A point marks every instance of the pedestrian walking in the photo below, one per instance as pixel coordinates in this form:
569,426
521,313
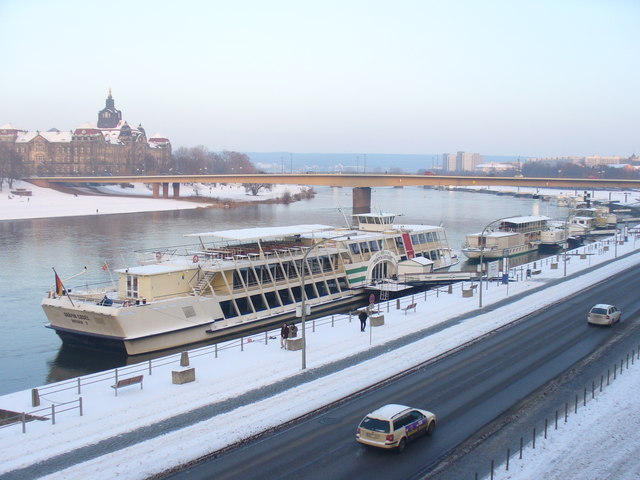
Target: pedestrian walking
284,334
363,320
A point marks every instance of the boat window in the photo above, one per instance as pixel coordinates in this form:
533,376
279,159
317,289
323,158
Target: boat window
333,286
285,296
322,289
315,265
399,243
272,299
342,283
296,294
423,238
310,291
227,309
276,271
258,303
415,239
326,263
364,247
355,248
244,306
251,276
132,286
239,278
374,246
436,236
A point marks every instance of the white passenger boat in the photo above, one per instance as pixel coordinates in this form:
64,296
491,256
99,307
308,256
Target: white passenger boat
237,280
588,220
512,237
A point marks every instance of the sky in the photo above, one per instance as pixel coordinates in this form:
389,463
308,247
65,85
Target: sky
577,450
497,77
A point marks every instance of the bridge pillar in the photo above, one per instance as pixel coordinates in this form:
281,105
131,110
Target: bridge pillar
165,190
361,200
156,190
176,190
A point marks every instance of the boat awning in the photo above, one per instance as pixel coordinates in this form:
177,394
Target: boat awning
527,219
263,233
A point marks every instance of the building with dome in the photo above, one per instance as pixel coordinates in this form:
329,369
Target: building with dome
108,147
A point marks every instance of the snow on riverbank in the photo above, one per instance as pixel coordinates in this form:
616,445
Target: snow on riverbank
106,416
47,203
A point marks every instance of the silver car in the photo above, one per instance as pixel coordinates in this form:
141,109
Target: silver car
603,314
392,426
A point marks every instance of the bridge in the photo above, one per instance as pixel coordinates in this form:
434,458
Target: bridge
360,182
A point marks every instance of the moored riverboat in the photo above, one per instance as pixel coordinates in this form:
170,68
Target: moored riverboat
236,280
512,237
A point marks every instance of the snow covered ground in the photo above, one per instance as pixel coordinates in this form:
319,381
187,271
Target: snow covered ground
46,203
577,450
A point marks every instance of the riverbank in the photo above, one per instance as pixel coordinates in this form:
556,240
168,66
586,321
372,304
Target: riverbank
77,445
107,200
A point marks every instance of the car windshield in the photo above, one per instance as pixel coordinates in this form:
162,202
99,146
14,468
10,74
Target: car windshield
375,425
601,311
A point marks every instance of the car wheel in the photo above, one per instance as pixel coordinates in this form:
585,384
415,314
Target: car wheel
402,445
431,428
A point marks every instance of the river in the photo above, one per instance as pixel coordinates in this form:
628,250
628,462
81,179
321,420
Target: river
33,355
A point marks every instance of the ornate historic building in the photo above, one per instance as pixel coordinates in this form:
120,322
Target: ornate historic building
109,146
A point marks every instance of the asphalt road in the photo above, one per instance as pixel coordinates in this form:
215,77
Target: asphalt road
468,391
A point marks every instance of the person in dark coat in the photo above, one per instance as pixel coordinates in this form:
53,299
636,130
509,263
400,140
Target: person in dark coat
363,320
284,334
293,331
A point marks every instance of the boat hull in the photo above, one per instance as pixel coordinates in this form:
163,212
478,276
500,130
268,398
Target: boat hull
473,254
188,336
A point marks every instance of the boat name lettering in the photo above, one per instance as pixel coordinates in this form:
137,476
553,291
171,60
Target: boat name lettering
385,256
75,315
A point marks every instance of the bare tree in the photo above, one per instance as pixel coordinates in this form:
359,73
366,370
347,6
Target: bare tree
254,188
11,166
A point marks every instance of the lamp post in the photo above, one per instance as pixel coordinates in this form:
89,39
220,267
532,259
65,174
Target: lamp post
482,254
567,230
303,305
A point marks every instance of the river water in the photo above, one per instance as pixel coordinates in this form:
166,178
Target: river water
32,355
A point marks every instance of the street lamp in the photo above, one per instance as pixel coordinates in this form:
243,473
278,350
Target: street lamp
567,231
303,305
482,254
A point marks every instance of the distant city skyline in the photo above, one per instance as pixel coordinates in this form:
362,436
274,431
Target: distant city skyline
514,78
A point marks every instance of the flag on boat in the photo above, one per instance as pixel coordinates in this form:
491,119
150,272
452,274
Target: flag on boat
60,290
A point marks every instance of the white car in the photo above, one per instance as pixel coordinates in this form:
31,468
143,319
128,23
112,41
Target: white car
603,314
393,426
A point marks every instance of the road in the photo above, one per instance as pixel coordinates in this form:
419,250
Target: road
467,391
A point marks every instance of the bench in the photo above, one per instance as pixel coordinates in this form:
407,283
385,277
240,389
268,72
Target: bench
411,306
125,382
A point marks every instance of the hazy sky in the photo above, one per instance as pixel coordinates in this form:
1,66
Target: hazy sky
557,77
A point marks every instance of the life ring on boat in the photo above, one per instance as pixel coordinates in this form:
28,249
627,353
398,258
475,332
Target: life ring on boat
195,259
158,256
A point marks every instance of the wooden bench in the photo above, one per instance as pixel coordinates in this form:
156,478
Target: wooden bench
125,382
411,306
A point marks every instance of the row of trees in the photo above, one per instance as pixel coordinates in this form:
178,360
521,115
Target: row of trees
199,160
575,170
